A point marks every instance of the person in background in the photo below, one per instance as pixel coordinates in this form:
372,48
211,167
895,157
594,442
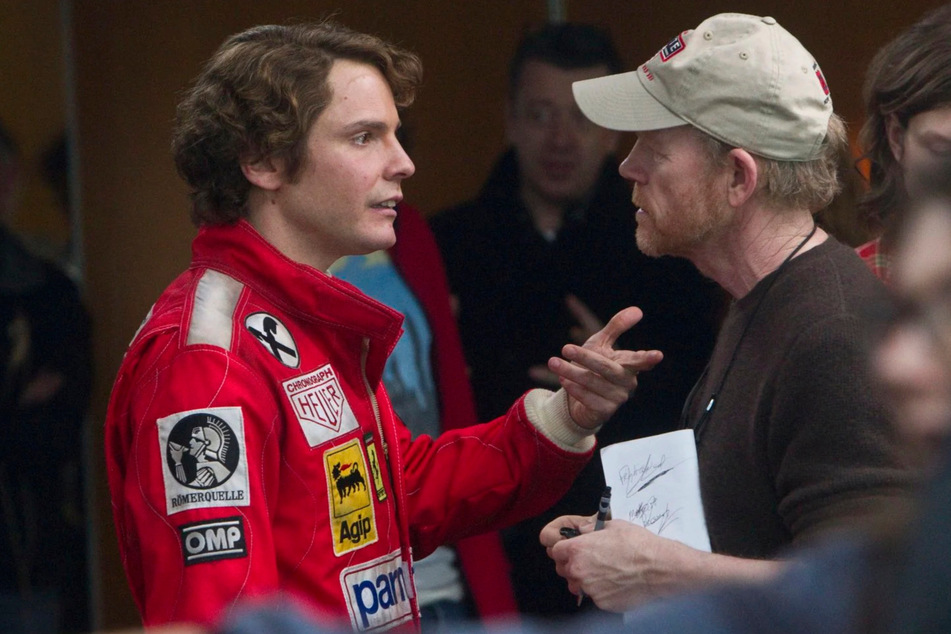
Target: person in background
545,253
45,386
427,383
737,147
288,143
908,107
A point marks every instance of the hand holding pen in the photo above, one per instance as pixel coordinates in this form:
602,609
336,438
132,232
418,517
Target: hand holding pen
604,511
620,564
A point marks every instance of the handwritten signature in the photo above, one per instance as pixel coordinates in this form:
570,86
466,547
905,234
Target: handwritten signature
636,479
647,514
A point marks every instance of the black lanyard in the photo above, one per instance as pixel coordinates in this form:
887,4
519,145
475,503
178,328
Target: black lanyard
708,410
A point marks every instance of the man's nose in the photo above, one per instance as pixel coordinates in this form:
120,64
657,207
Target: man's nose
401,165
630,168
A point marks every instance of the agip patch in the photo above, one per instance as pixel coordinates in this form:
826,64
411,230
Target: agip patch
203,459
352,517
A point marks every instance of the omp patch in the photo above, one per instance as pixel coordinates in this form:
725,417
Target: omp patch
378,593
213,540
274,336
352,517
320,405
204,462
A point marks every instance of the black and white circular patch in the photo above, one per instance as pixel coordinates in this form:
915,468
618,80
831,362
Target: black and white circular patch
202,451
274,336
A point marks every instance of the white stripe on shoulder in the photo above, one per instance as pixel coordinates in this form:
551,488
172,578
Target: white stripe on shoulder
213,312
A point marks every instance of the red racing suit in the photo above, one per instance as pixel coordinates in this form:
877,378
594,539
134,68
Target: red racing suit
251,448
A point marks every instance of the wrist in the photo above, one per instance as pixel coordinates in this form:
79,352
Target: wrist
548,412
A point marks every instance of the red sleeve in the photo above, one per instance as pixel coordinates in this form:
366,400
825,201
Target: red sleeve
483,478
195,535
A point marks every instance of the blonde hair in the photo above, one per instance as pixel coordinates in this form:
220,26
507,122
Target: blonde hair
795,184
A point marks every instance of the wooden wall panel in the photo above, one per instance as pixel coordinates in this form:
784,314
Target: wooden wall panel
33,109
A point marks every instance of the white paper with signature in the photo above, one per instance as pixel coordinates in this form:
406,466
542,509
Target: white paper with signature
655,483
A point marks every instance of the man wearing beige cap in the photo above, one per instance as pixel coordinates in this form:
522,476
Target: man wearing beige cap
736,151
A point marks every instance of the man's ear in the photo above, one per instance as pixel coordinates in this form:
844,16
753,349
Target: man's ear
265,173
895,132
743,175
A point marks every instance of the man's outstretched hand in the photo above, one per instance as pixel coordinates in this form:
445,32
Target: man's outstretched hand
598,378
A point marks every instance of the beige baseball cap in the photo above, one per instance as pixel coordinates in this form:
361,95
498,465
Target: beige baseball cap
743,79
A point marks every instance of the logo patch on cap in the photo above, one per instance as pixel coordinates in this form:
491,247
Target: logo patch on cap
822,79
204,462
672,48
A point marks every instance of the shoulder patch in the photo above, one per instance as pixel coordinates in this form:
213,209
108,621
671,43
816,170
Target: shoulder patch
213,540
274,336
320,405
204,462
212,319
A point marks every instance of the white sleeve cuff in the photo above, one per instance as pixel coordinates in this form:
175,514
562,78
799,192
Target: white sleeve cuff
548,412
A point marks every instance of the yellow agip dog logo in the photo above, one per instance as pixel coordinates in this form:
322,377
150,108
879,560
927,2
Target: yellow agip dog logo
351,505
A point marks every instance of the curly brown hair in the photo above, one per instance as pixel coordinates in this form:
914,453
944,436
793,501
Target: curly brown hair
909,75
258,97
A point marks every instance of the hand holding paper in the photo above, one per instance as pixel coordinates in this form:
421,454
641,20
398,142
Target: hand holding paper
656,485
657,530
618,567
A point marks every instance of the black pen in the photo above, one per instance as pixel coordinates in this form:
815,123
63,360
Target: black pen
604,509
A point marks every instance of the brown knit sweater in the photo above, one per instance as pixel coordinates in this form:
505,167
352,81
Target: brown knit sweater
798,441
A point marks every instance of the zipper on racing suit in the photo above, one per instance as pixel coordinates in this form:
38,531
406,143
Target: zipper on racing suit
408,551
373,402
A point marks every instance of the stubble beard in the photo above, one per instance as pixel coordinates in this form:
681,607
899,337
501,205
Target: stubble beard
695,218
645,240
